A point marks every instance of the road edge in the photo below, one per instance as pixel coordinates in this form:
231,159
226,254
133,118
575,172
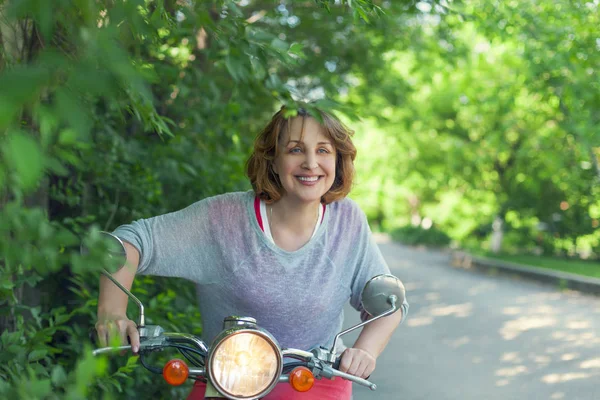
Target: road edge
563,280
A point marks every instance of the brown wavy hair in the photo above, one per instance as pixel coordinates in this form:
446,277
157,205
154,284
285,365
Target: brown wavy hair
259,168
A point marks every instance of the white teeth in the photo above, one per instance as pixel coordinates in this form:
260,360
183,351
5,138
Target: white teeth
307,179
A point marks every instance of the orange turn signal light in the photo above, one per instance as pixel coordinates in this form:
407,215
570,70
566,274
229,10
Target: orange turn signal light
176,372
302,379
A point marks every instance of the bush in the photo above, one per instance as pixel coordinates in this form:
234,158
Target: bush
415,235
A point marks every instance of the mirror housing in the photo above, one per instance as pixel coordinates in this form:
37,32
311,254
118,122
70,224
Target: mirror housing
375,296
112,248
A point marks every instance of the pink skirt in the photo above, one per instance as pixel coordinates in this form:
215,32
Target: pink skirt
323,389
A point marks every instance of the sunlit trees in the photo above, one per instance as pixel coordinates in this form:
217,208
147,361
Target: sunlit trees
484,128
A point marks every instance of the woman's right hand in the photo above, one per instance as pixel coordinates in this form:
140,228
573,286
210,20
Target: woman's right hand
109,327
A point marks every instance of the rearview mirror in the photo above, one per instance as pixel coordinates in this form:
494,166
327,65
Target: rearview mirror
376,295
107,246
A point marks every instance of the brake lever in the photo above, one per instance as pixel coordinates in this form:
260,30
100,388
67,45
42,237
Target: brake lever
330,371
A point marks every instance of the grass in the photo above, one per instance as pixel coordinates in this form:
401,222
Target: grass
579,267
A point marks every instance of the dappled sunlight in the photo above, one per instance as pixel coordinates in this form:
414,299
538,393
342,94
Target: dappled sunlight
511,310
535,298
419,321
481,288
553,350
432,296
458,310
456,343
512,329
578,339
561,378
559,335
543,309
411,286
511,357
506,339
542,360
578,324
426,316
569,356
593,363
512,371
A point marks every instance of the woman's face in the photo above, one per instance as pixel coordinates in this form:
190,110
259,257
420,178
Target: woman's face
306,161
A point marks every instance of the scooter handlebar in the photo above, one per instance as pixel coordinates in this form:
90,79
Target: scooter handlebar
355,379
117,349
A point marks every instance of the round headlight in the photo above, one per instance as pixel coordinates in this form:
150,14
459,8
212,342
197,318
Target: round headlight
244,364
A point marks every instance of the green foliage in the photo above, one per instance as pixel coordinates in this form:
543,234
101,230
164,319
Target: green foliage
417,235
496,118
111,111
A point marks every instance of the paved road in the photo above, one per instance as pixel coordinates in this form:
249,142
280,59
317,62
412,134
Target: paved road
472,336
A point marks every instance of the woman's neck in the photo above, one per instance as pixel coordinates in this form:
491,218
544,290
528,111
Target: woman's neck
297,217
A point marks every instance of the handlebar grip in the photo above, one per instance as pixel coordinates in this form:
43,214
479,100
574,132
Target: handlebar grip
336,372
93,336
336,364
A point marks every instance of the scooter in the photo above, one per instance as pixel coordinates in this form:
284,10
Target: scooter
245,361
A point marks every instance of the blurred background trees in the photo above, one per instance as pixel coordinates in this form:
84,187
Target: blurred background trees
474,120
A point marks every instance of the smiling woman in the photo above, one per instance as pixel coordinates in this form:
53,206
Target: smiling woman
290,253
299,165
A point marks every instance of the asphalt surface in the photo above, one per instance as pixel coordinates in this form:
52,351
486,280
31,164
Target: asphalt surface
469,335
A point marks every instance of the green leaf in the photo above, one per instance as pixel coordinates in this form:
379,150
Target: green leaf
20,85
70,107
8,285
297,49
37,355
39,388
58,376
26,159
56,167
279,44
67,137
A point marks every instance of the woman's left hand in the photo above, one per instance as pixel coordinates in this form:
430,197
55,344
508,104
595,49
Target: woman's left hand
357,362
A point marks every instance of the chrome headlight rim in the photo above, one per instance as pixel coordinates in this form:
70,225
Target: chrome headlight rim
227,334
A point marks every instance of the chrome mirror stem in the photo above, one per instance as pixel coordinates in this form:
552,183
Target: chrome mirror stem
142,320
392,299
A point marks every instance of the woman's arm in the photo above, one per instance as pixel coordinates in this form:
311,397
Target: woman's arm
112,304
360,360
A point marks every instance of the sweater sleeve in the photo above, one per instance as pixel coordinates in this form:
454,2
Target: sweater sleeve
370,263
177,244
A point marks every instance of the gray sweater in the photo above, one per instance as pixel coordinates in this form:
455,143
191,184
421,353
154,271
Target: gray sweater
297,296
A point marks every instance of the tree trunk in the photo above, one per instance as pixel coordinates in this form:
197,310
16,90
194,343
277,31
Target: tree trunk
594,155
20,43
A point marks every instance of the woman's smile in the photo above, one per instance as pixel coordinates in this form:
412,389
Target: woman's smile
308,180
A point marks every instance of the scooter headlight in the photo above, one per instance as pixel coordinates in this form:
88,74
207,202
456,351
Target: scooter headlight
244,363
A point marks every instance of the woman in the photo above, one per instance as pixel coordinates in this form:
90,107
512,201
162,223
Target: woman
290,253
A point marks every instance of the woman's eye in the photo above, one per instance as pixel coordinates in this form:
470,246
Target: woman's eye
295,150
323,150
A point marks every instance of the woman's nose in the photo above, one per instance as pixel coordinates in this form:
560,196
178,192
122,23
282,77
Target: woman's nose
310,162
